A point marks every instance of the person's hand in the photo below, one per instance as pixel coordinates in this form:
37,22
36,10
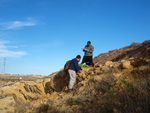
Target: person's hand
85,49
80,71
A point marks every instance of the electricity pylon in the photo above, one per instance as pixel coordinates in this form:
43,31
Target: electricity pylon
3,70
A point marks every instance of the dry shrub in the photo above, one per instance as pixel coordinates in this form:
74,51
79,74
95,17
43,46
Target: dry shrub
133,92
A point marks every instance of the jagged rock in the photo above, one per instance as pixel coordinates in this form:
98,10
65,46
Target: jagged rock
29,91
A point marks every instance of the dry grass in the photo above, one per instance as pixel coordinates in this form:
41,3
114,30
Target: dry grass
133,93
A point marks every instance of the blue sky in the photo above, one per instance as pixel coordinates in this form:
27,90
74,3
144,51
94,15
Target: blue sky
39,36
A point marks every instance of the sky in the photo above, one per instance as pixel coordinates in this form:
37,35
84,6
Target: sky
39,36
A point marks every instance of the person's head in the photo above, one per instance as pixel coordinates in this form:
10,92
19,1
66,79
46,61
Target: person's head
78,57
89,43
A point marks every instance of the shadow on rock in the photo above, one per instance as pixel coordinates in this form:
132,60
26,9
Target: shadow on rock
57,83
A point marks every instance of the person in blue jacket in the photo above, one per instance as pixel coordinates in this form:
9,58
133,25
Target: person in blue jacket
72,70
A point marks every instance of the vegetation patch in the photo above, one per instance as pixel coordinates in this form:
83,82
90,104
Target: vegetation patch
77,102
84,66
127,84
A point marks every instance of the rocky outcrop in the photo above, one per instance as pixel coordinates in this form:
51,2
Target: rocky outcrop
134,50
33,90
57,83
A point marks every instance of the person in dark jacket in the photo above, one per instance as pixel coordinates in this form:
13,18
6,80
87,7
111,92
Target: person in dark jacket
73,69
88,56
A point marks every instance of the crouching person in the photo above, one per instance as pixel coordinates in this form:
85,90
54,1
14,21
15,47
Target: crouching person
73,69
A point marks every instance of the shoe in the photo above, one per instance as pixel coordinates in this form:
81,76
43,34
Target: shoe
91,65
70,90
84,63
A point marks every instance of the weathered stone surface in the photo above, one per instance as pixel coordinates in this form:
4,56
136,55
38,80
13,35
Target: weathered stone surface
126,64
106,69
57,82
109,63
7,104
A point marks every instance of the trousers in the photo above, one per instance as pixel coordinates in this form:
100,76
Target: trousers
72,78
88,60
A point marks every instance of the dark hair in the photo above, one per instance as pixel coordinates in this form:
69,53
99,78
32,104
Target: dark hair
78,56
89,42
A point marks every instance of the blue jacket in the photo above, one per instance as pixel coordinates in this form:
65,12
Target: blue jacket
74,65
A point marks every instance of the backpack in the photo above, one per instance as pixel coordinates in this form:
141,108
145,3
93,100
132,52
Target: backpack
67,65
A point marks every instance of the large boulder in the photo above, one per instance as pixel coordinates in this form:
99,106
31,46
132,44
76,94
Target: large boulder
57,83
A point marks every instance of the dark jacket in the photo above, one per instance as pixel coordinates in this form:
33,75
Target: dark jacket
74,65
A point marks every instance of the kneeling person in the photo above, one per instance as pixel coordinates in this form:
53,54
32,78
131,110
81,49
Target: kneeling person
73,69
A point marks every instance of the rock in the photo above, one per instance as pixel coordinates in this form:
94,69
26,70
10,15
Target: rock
98,66
81,89
28,91
88,77
105,69
147,60
97,79
109,63
84,76
144,68
57,83
98,72
126,64
117,65
117,75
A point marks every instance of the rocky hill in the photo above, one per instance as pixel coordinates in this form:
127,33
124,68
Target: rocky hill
119,83
134,50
